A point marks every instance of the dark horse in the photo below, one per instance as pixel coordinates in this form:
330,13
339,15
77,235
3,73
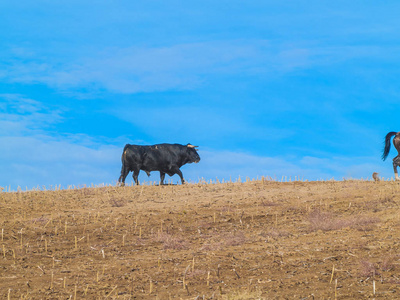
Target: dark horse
396,144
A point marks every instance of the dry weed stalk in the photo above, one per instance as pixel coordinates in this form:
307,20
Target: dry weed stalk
151,286
336,288
333,271
86,290
184,276
109,294
52,280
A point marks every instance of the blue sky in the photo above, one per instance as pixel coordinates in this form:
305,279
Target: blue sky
265,88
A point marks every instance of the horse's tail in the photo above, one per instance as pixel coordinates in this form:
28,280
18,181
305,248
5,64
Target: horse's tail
387,144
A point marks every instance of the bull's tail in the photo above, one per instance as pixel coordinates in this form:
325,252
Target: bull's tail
123,152
387,144
123,156
124,171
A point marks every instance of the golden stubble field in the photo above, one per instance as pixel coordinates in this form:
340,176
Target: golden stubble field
251,240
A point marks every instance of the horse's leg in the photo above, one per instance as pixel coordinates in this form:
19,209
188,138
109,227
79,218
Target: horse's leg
396,163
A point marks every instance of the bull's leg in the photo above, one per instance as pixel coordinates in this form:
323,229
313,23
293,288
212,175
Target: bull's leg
396,163
179,172
124,173
135,176
162,177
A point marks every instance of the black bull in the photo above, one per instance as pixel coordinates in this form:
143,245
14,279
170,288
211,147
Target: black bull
166,158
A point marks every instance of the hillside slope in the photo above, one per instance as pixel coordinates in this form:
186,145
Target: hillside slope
252,240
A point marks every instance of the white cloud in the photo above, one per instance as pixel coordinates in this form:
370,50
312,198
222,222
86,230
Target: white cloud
32,161
44,161
30,156
137,69
19,115
177,67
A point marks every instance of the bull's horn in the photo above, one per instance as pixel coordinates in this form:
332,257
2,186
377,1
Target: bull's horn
191,146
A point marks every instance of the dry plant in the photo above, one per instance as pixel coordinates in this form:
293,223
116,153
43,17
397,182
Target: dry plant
117,202
244,295
195,273
269,203
326,221
368,269
88,191
371,269
376,205
275,233
225,239
388,264
170,241
234,239
320,220
363,223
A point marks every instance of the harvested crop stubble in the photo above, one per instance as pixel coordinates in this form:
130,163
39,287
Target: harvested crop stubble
255,239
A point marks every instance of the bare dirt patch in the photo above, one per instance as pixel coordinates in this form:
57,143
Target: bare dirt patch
253,240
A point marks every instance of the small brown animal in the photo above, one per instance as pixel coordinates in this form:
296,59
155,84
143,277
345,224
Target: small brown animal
375,176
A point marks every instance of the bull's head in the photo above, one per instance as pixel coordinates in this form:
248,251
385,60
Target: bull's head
193,155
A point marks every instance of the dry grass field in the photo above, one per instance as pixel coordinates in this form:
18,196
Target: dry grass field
244,240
